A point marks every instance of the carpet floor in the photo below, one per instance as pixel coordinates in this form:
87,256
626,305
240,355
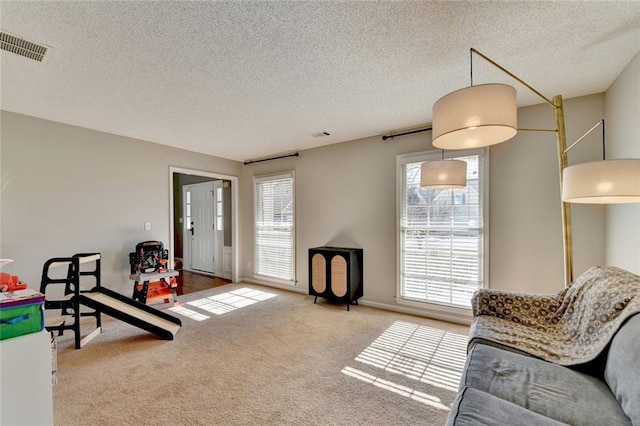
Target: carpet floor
249,355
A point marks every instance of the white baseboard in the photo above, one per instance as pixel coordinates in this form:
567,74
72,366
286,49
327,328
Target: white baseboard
426,313
419,312
197,272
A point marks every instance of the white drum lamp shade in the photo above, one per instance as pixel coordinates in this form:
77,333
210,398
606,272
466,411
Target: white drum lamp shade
602,182
475,117
443,174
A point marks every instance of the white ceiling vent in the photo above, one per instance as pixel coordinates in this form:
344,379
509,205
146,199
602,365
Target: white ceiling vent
320,134
22,47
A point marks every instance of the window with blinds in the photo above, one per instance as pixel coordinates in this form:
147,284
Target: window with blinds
274,221
442,247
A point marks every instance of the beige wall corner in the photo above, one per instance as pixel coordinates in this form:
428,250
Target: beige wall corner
622,102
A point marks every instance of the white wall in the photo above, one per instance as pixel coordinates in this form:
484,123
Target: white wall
346,195
623,141
67,190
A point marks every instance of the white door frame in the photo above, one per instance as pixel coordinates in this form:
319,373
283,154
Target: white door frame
186,248
234,213
218,231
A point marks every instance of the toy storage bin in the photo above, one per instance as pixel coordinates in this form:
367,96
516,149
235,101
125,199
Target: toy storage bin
19,317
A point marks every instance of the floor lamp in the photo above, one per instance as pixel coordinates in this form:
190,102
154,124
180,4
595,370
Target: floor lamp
486,114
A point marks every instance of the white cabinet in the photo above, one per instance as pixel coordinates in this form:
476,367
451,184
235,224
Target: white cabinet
25,383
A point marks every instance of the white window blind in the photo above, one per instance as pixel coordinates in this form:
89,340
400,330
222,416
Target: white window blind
441,236
274,220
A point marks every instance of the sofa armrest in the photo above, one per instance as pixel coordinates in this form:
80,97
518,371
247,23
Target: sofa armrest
523,308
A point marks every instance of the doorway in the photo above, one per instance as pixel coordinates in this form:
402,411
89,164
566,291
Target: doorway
214,223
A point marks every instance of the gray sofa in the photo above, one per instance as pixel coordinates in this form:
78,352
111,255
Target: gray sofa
501,385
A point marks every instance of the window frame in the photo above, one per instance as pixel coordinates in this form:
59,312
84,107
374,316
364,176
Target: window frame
256,273
432,155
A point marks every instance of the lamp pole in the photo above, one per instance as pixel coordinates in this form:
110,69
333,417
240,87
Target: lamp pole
567,237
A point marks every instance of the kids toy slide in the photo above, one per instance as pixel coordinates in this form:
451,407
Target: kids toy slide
97,298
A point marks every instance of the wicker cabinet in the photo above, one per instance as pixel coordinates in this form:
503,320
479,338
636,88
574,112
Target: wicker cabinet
335,273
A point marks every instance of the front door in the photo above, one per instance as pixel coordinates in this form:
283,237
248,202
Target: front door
202,226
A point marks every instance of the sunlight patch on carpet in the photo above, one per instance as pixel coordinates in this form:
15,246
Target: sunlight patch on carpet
189,313
428,355
220,304
419,352
395,388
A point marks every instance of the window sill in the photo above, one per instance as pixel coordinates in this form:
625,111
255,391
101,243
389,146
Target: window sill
274,282
271,280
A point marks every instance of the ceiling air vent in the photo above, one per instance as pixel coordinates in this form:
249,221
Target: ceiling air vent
320,134
22,47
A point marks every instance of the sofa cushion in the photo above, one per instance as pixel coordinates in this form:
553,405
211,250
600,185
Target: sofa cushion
475,408
549,389
622,371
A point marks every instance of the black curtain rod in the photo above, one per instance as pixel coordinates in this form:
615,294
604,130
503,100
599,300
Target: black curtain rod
295,154
426,129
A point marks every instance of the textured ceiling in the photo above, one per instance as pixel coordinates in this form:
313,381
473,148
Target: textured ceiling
244,80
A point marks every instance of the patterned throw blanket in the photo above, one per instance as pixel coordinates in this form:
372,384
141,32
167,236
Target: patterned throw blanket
568,328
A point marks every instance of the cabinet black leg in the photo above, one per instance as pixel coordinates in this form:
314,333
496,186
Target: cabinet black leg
314,299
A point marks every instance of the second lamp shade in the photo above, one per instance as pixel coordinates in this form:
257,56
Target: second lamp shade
443,174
